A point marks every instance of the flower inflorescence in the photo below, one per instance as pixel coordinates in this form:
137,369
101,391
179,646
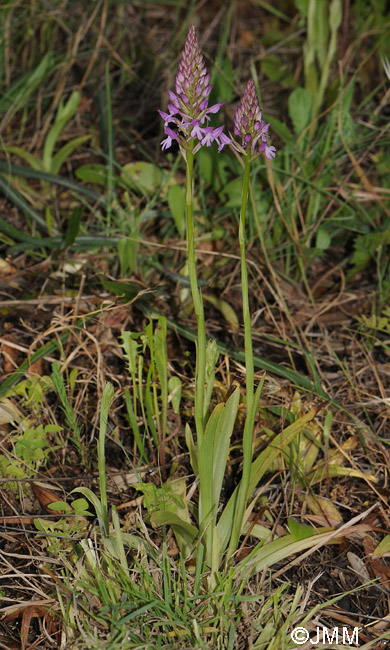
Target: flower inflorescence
249,125
188,109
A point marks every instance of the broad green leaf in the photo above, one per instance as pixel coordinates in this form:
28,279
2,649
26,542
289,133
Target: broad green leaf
92,498
335,15
280,128
65,152
63,116
324,472
73,226
279,550
276,446
143,176
182,529
80,505
205,163
77,188
93,173
128,290
233,191
177,202
298,530
300,108
259,468
276,69
382,549
28,157
175,388
225,309
323,239
127,251
212,458
62,505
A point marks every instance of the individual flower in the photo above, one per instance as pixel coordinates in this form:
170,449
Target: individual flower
188,109
249,125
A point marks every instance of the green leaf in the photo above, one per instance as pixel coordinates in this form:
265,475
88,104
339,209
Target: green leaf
274,68
177,201
259,467
224,82
225,309
128,290
191,449
279,550
323,239
233,191
60,505
335,15
63,154
302,6
300,108
187,532
63,116
280,128
212,458
298,530
143,176
175,388
94,173
28,157
127,251
77,188
74,225
16,97
382,549
80,505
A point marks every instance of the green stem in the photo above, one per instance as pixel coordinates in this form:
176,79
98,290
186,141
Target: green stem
249,369
198,303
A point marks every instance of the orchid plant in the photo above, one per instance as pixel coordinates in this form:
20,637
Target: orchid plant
187,123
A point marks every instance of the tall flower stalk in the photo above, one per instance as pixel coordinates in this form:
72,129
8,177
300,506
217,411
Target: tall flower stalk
249,126
186,123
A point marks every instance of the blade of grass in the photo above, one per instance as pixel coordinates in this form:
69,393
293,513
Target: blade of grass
107,399
26,172
18,200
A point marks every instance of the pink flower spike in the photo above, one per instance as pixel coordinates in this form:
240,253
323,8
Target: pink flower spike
188,107
249,125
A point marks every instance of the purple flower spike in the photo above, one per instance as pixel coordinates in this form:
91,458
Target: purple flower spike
188,108
249,125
